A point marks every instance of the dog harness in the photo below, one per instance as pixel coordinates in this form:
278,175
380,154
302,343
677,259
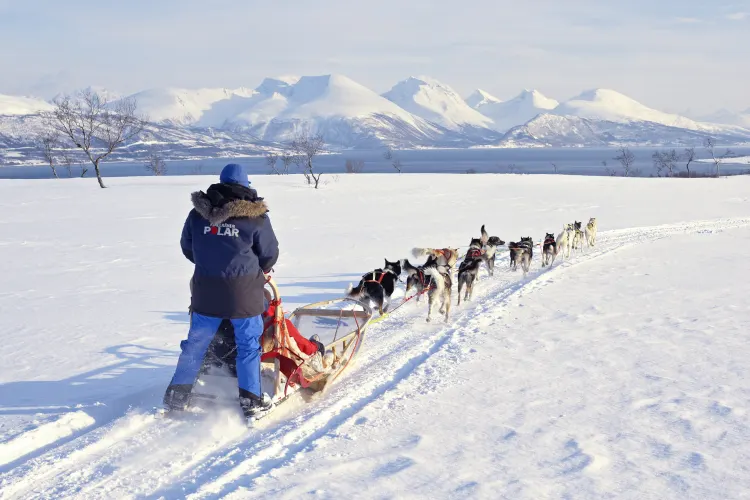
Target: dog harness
379,281
474,253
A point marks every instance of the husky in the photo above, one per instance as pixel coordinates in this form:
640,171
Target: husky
416,277
549,250
578,236
444,256
565,240
521,252
591,232
377,286
469,268
440,289
489,245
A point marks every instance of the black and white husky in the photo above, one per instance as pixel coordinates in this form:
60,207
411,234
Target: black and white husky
549,250
469,268
377,286
416,277
489,245
591,232
439,289
521,253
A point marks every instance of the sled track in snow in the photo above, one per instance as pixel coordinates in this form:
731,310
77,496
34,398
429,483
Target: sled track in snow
138,456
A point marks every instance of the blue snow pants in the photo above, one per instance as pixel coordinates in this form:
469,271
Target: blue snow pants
247,333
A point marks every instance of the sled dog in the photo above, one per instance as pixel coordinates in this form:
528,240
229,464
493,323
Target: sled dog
440,290
549,250
521,253
445,256
469,268
578,236
591,232
377,286
489,245
565,240
416,277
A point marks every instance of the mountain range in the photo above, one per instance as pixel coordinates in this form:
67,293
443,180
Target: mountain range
418,112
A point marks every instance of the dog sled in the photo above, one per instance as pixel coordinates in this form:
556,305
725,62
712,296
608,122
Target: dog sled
339,324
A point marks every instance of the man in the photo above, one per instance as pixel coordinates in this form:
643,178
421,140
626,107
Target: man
229,238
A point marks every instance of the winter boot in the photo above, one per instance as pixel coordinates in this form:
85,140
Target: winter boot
254,407
177,397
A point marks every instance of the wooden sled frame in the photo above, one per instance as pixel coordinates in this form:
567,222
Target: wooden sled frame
344,345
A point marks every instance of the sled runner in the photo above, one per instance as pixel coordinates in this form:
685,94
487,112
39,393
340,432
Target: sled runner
338,324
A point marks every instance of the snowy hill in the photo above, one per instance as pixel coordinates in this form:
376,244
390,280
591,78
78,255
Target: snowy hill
17,105
345,112
438,103
182,106
609,105
740,119
609,375
554,130
481,98
517,111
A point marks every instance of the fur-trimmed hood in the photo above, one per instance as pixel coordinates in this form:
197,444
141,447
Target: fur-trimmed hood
233,208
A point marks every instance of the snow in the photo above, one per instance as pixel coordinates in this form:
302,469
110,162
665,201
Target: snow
619,373
436,102
740,119
18,105
481,98
183,106
518,110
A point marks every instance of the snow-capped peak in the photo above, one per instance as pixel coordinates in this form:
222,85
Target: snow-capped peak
18,105
519,110
481,98
436,102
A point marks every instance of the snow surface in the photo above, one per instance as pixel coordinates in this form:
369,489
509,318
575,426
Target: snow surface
183,106
480,98
519,110
18,105
436,102
621,372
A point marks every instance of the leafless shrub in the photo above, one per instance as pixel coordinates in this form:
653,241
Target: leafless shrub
554,167
47,141
271,160
307,147
93,125
688,156
626,159
665,162
471,171
156,164
393,158
710,145
287,159
354,166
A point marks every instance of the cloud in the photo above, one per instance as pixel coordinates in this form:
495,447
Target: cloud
687,20
737,16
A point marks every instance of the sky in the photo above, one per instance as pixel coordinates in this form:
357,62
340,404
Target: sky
685,56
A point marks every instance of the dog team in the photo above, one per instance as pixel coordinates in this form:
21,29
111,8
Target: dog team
434,277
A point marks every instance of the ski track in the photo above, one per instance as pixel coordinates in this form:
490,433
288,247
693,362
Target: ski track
139,456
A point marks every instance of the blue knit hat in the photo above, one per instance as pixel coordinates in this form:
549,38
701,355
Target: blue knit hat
234,174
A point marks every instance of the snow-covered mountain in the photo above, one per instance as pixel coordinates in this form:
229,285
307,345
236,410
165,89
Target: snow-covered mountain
481,98
517,111
553,130
183,106
726,117
436,102
17,105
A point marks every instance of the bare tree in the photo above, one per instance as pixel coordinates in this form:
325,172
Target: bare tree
47,141
354,166
688,156
554,167
666,162
393,158
710,145
287,159
95,126
156,164
626,159
271,160
307,147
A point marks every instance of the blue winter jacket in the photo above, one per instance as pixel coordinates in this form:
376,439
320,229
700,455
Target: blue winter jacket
229,238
